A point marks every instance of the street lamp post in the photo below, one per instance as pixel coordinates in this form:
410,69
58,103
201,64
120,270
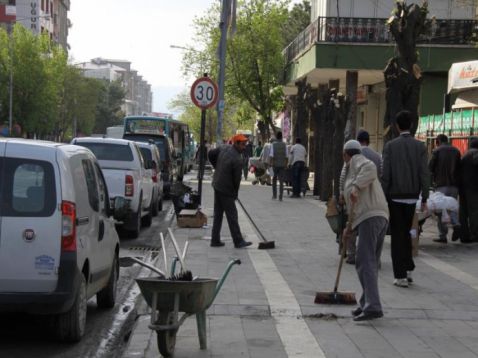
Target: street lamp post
10,84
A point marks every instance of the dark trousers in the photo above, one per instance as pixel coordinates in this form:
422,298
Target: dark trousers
225,204
297,169
469,215
278,174
371,233
401,217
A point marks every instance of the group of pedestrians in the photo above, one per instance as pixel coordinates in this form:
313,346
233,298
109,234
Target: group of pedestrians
282,157
376,202
380,193
457,177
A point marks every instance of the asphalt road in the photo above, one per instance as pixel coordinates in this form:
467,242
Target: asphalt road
106,330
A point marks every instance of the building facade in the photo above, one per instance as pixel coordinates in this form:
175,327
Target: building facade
39,16
356,38
139,97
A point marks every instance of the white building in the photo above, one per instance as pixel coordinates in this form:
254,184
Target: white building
139,98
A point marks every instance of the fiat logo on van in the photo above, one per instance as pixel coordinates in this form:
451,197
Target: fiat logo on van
29,235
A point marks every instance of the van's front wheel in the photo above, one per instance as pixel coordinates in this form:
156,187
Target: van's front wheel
70,325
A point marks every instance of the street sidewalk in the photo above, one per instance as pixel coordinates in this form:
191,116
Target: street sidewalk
266,306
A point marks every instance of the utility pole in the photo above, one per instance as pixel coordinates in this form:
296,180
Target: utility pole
10,85
226,5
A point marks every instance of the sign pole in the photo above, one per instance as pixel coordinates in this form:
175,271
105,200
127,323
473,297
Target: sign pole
202,154
204,95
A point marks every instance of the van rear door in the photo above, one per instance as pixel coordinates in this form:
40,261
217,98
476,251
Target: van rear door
31,219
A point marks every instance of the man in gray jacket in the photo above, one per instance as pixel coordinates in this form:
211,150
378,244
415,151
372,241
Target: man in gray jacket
368,215
405,176
227,161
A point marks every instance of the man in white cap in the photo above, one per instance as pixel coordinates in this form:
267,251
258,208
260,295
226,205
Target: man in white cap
368,215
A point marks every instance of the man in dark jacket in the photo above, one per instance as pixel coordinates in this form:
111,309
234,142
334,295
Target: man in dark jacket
445,170
278,158
469,194
227,161
405,174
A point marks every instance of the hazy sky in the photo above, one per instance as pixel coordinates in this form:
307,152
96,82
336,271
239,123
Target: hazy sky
139,31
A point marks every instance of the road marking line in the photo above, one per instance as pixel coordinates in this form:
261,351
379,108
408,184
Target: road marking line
450,270
298,340
294,332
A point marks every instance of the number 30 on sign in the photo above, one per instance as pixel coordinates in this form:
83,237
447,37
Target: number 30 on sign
204,93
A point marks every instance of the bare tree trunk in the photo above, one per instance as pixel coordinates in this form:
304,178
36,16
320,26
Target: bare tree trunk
402,73
301,107
318,140
351,93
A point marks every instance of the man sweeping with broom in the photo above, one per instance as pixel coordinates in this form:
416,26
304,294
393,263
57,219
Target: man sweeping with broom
368,215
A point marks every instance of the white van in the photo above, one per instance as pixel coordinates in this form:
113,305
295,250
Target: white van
58,243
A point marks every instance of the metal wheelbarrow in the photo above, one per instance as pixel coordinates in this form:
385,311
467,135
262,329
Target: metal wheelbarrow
167,298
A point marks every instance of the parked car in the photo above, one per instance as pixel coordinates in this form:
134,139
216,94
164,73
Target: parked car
59,246
126,176
167,154
150,154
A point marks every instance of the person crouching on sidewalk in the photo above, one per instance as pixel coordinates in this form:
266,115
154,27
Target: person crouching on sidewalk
368,215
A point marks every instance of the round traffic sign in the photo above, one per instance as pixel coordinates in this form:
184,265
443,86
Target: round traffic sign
204,93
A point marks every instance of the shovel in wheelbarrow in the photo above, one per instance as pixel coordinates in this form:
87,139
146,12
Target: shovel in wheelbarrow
167,298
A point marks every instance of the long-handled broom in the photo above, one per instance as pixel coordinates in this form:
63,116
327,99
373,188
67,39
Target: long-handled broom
265,244
335,297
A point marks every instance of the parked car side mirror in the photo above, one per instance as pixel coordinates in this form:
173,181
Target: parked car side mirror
120,208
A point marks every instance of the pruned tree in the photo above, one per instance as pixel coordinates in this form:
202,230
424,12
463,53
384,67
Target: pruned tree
402,73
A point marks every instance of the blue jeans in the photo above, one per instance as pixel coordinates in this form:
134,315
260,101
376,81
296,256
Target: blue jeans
297,169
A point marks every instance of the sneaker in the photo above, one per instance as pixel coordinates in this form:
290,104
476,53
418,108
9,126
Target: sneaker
217,244
400,282
441,241
409,277
243,244
357,311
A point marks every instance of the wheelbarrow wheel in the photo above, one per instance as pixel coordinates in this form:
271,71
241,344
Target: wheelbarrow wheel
166,339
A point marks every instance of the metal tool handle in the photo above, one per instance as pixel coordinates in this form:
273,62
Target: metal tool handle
176,248
344,247
223,278
163,246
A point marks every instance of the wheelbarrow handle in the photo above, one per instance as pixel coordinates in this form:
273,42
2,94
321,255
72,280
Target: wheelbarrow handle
223,278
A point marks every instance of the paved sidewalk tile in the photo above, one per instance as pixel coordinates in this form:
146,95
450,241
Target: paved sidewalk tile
435,317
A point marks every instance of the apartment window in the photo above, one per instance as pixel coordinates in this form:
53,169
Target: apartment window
47,6
42,5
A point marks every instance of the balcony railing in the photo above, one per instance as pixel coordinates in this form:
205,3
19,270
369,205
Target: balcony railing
373,30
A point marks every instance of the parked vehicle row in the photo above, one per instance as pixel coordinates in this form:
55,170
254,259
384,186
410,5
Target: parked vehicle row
61,204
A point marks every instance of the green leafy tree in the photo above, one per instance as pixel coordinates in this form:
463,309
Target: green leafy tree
297,21
255,64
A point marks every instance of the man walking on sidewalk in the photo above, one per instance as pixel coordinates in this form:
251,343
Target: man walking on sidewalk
227,161
445,170
278,157
298,155
405,175
368,213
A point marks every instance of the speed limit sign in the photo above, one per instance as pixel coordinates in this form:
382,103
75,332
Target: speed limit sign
204,93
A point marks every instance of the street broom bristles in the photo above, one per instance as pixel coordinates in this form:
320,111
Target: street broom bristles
331,298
